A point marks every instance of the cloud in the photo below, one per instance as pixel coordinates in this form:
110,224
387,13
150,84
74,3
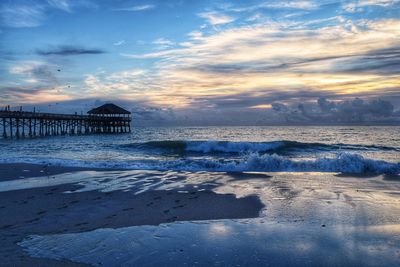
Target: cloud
384,61
254,99
119,43
279,107
239,70
36,82
215,18
348,58
19,16
60,4
353,111
25,13
308,5
67,50
357,6
301,5
126,75
136,8
36,72
163,43
18,95
129,84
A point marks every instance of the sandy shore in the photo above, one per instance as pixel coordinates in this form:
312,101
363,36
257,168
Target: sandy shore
24,170
60,216
48,210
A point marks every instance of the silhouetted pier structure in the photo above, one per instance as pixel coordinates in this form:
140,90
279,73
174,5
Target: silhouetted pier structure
107,118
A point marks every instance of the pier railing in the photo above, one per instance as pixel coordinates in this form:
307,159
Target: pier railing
20,124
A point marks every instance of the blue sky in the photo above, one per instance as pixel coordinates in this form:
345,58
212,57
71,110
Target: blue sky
193,62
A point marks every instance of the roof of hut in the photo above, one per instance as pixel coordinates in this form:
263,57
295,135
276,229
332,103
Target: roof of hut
108,109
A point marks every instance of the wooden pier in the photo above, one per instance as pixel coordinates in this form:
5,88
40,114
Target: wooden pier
108,118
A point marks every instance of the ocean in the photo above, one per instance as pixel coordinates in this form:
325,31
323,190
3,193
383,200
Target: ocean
346,149
207,196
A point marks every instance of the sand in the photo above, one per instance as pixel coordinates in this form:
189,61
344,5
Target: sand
48,210
23,170
72,217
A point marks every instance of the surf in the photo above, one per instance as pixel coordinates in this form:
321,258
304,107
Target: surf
213,147
339,163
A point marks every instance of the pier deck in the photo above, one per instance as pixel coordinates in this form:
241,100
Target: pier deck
20,124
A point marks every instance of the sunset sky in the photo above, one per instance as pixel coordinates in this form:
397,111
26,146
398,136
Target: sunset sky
192,62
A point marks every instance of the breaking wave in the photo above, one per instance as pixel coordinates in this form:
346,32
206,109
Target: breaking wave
341,163
246,147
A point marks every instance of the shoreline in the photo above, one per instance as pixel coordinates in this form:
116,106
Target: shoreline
11,171
77,204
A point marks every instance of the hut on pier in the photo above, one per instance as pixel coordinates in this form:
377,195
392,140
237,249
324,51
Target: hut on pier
114,119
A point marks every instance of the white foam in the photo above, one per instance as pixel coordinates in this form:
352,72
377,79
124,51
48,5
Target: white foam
343,162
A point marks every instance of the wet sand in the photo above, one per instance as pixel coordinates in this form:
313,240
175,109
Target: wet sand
75,217
11,171
49,210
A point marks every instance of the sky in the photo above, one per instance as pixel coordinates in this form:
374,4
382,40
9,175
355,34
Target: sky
203,62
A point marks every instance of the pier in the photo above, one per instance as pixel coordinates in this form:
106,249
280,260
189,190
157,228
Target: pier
106,119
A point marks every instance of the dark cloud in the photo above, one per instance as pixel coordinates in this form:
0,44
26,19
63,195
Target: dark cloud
69,51
250,99
12,94
299,111
354,111
43,73
385,61
393,51
274,65
147,115
13,90
357,109
279,107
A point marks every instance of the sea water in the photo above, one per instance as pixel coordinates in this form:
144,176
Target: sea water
348,149
312,217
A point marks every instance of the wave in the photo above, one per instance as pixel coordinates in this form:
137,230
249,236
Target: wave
341,163
246,147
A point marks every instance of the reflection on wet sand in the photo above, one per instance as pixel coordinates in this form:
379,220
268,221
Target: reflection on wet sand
313,219
251,242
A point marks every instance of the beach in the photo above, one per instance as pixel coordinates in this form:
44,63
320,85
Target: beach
200,133
48,210
84,217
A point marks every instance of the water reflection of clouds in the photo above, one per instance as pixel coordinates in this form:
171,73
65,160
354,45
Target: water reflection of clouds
385,229
218,230
229,242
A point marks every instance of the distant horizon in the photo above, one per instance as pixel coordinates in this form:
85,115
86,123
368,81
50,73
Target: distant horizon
190,123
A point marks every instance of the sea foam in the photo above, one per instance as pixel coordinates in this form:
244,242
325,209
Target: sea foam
342,163
209,147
